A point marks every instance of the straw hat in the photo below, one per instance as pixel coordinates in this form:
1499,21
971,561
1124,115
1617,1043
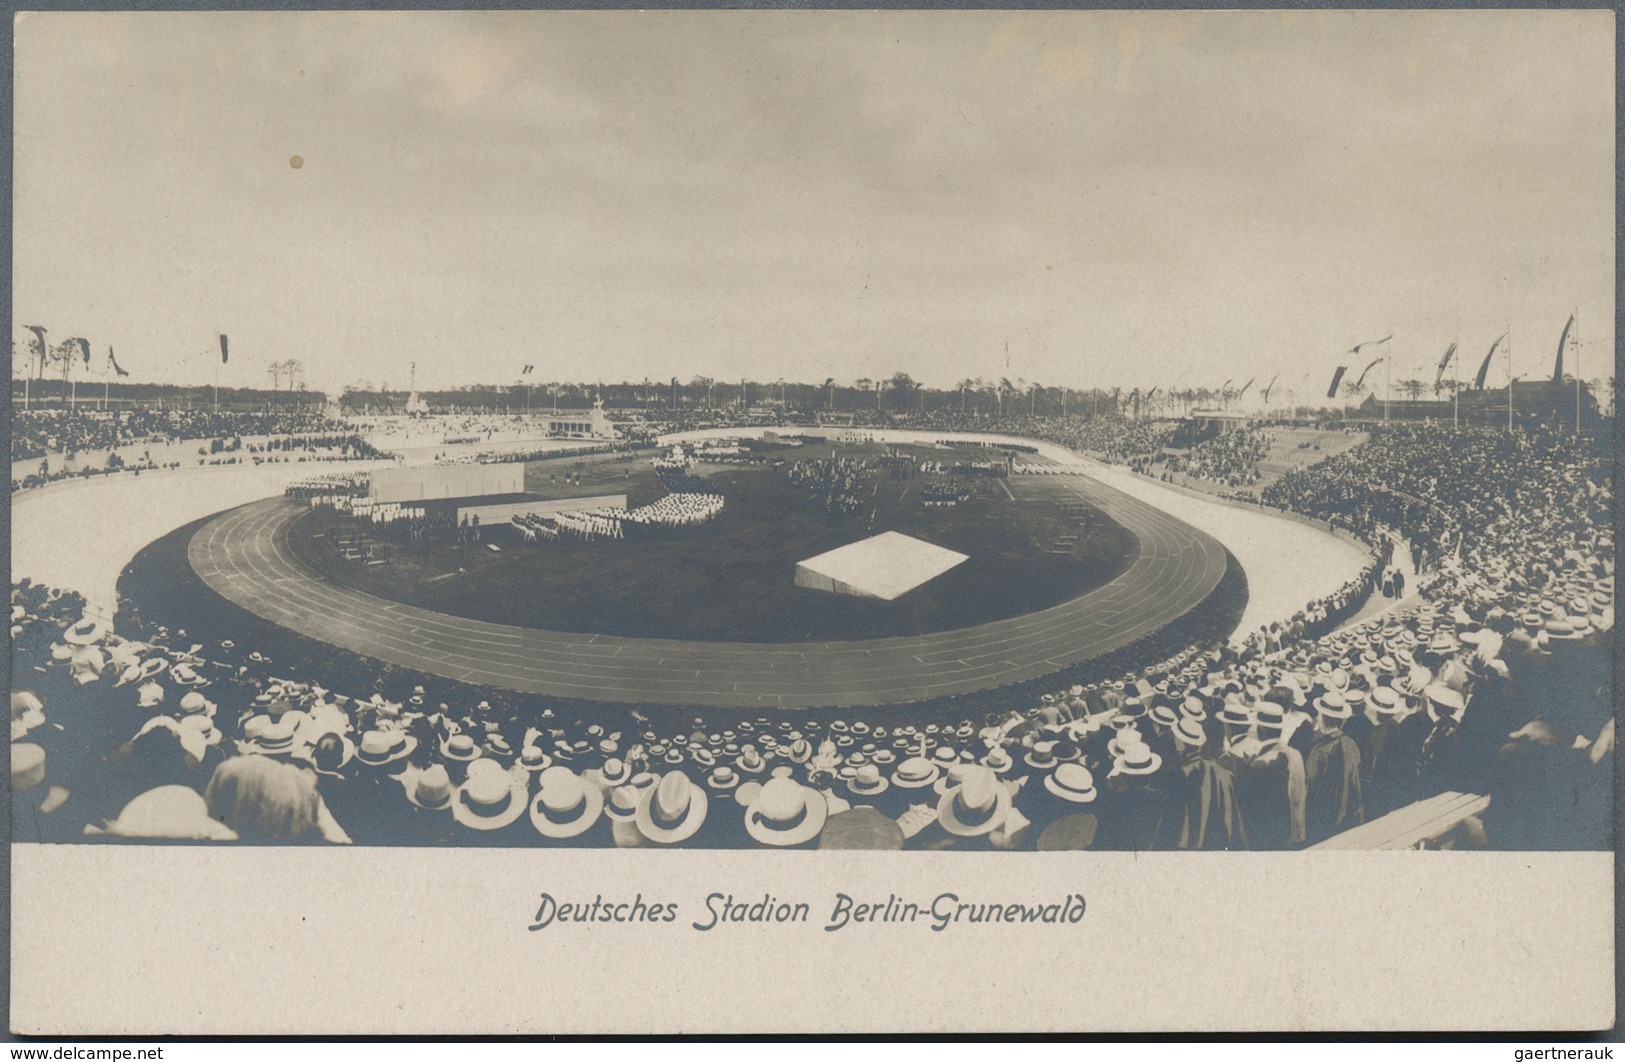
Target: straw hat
564,806
723,777
1333,705
1189,734
622,805
88,631
786,813
1042,755
1073,782
614,772
998,760
379,747
868,781
1137,761
489,800
975,807
916,772
461,748
671,811
432,789
532,759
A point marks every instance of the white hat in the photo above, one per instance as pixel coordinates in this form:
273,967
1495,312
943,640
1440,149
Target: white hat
976,806
488,800
1073,782
564,806
786,813
671,810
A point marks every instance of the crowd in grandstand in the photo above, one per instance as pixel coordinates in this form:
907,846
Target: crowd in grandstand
1229,459
1496,680
35,433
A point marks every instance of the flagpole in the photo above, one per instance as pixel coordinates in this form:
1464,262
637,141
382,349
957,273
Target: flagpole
1455,391
1509,378
1388,382
1576,374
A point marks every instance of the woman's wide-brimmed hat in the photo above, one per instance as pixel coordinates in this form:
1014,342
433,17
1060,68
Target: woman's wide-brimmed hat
672,810
489,800
974,807
432,789
565,805
1072,782
786,813
379,747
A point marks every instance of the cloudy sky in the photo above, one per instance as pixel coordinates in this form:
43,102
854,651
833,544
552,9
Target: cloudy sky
1123,199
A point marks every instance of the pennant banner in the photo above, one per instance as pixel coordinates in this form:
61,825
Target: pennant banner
1557,370
1444,363
1374,363
39,337
1483,370
117,368
1337,378
224,356
1244,386
1271,386
84,348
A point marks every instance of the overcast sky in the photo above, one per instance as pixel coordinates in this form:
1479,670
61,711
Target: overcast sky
1123,199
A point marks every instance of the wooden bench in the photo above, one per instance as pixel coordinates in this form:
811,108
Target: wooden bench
1410,826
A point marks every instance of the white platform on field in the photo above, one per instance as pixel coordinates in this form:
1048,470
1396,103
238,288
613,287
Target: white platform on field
886,566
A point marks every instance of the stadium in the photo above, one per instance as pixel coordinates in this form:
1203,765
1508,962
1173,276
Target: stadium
1010,432
1127,630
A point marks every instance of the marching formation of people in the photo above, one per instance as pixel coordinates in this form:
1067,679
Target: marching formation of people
844,482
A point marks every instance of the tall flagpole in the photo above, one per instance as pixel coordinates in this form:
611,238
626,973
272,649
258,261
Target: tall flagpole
1576,344
1455,377
1388,382
1509,378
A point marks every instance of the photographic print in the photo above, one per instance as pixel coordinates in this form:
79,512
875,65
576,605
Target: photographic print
1004,444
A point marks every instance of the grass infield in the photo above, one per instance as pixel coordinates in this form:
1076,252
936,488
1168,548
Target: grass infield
733,579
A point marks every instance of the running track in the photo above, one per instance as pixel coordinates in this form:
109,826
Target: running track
243,556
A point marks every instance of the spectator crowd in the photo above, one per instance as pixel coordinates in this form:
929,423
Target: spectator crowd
1496,681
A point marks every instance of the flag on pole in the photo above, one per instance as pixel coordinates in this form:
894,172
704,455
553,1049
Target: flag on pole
1149,395
1444,363
527,370
1484,369
1226,385
39,337
1244,387
1337,378
1562,341
117,368
1374,363
1372,343
84,347
224,357
1271,386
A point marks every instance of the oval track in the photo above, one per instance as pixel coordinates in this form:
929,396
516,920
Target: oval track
243,556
